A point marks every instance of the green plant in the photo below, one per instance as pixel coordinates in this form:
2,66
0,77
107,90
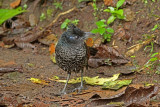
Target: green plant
42,17
68,21
103,30
152,61
151,46
6,14
115,12
49,12
134,62
95,8
58,5
157,26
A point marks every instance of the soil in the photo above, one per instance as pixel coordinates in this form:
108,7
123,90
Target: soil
16,88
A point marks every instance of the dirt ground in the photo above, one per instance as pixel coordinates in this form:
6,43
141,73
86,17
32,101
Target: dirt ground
16,90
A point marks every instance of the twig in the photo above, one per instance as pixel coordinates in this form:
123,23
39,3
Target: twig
10,69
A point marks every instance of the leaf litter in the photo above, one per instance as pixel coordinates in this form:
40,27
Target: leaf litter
81,98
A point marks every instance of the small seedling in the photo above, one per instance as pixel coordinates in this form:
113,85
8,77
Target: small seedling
49,12
115,12
155,27
103,30
95,8
58,5
64,25
152,61
151,46
42,17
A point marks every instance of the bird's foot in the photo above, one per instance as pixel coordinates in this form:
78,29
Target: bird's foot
63,93
79,89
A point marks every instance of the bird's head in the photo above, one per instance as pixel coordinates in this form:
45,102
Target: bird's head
75,35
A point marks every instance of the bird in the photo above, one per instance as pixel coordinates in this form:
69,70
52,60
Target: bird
71,53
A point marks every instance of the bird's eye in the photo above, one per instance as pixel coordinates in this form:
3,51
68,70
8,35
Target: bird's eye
73,37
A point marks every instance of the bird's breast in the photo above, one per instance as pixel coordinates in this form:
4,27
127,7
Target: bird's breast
71,58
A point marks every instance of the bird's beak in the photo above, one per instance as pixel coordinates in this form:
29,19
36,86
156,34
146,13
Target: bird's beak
88,34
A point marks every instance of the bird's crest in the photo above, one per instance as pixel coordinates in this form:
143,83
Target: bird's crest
74,30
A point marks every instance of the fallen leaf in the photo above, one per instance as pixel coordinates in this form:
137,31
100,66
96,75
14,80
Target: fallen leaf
10,63
115,85
120,33
15,3
38,81
91,81
106,56
53,58
52,48
137,47
97,42
129,14
54,78
132,97
108,2
89,42
49,40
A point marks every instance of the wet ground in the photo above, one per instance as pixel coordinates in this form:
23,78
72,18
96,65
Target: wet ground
16,89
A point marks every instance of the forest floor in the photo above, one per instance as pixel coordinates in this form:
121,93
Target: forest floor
17,90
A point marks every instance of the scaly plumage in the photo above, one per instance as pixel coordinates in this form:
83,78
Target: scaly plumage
71,52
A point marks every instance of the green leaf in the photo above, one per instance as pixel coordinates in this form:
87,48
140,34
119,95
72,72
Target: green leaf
110,30
111,9
6,14
111,19
107,10
94,31
115,85
75,21
155,27
100,24
120,17
101,30
120,3
42,17
154,54
153,59
119,12
65,23
58,5
107,36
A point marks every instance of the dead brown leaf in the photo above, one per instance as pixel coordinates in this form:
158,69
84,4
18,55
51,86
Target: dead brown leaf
15,3
131,97
108,2
120,33
89,42
52,48
48,40
3,63
106,55
137,47
97,42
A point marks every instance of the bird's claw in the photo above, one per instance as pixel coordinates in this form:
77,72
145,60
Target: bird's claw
63,93
79,89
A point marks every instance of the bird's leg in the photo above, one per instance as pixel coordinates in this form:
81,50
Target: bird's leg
63,91
81,86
